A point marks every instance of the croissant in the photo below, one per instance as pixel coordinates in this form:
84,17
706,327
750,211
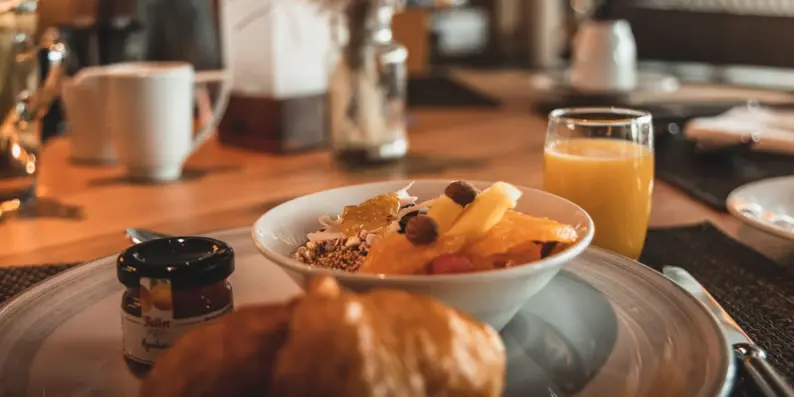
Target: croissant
331,342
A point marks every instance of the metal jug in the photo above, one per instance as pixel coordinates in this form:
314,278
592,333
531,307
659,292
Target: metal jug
23,102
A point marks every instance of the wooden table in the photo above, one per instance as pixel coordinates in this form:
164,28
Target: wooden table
224,187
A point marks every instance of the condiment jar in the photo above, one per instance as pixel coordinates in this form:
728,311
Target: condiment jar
173,285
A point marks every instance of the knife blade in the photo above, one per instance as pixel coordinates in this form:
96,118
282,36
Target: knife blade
138,236
768,381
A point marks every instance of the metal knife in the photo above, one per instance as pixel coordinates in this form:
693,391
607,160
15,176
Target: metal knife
138,236
753,358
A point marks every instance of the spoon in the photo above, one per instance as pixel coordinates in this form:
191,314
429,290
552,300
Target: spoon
138,236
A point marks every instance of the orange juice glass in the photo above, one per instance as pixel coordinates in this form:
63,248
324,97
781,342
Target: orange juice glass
602,160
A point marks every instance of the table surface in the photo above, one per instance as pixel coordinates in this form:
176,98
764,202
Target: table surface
82,210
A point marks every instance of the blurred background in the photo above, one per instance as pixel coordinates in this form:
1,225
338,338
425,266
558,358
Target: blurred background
703,41
699,39
679,59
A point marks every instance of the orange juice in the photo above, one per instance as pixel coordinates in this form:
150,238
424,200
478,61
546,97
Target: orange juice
612,180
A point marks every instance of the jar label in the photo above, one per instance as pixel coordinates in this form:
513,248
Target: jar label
147,337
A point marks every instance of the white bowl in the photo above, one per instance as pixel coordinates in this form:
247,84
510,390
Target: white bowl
493,297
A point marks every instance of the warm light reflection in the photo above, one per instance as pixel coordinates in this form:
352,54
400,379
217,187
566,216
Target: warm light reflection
10,205
30,167
16,150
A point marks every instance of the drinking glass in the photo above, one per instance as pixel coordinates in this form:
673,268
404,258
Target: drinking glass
602,160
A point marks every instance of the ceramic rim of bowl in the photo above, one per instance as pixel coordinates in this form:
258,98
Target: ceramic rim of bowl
571,252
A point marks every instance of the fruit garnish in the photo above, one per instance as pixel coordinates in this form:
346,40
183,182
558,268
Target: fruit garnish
450,264
461,192
373,214
486,211
517,229
394,254
445,212
547,248
421,230
408,216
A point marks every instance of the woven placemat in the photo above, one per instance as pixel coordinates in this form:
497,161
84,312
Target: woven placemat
710,178
14,280
757,292
439,90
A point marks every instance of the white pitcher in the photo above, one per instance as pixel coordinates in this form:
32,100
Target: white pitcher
604,57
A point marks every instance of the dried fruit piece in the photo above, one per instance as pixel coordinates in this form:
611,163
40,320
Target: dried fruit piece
407,217
450,264
461,192
445,212
547,248
370,215
486,211
421,230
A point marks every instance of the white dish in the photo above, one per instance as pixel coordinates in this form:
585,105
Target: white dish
605,326
554,82
283,229
766,204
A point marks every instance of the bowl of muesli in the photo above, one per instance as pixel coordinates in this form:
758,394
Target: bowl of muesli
484,248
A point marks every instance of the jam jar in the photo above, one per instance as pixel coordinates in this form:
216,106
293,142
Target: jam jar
172,285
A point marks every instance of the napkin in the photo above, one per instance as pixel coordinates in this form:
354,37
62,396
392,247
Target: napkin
277,48
770,130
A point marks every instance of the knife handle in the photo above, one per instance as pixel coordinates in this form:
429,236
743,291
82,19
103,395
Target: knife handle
768,381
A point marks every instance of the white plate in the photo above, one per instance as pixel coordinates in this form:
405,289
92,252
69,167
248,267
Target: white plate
605,326
766,204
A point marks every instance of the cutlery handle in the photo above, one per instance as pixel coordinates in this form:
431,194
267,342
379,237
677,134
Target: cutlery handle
769,382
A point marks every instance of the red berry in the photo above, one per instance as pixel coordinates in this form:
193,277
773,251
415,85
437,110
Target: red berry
449,264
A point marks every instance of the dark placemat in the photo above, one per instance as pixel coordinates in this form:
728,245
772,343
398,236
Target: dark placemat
710,178
757,292
14,280
439,90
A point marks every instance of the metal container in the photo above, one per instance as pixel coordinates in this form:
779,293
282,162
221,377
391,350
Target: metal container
367,89
22,102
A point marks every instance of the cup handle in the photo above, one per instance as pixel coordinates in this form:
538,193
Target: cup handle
202,78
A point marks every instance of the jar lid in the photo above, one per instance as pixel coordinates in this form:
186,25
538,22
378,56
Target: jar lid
187,262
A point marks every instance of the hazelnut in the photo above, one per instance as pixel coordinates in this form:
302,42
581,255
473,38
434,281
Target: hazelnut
352,242
461,192
421,229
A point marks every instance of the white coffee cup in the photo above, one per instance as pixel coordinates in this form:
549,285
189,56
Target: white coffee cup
84,100
604,57
150,112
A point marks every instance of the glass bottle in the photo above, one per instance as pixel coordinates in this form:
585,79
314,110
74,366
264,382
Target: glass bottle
367,88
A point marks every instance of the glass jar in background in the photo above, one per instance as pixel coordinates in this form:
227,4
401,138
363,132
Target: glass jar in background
367,87
602,160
